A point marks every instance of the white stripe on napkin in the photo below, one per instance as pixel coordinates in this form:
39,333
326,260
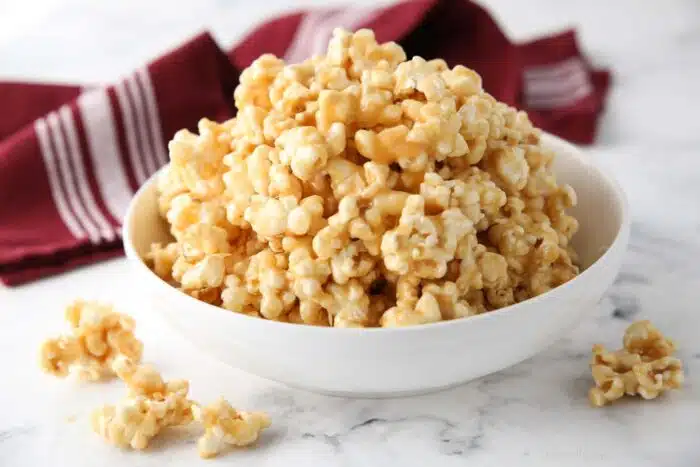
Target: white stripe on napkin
130,132
558,85
153,117
142,133
101,136
69,220
75,154
298,50
69,183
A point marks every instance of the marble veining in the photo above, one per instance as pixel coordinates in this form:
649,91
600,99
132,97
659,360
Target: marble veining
533,414
15,431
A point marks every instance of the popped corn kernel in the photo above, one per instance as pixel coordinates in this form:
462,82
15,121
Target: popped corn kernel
57,355
427,310
447,296
392,145
162,258
307,275
132,423
657,376
356,167
423,244
206,273
304,150
255,81
348,305
200,240
236,297
266,277
644,366
462,81
352,261
644,339
99,336
272,217
199,159
150,406
511,168
224,425
268,216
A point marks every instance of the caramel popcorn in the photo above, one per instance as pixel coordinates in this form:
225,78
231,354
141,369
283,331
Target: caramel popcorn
224,425
99,336
644,366
150,406
359,168
103,344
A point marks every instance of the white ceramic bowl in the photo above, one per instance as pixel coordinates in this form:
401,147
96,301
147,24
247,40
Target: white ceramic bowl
393,362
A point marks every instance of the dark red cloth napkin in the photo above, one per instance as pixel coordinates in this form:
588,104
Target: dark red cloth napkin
72,157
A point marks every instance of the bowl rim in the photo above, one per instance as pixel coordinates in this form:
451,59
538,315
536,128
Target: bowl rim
620,241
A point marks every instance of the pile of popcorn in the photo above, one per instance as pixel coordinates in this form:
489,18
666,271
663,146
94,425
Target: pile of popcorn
362,189
103,345
644,366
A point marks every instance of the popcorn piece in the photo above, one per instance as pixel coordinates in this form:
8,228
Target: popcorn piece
255,80
266,276
58,355
424,244
644,366
200,240
224,425
447,296
271,217
307,276
150,406
462,81
427,310
132,423
207,273
236,297
361,166
352,261
199,158
511,168
304,150
349,306
391,145
161,259
657,376
99,336
335,107
644,339
185,211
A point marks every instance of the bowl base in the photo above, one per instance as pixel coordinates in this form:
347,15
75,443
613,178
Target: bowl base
376,394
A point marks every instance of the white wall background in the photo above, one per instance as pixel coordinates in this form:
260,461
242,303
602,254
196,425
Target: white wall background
652,46
97,40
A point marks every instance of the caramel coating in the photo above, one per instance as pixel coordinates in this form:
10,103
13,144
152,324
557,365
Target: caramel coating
362,167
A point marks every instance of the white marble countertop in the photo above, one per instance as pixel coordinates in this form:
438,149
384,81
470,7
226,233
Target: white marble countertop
534,414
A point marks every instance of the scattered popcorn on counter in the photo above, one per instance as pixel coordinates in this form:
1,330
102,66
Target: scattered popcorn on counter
99,336
103,344
359,168
644,366
224,425
151,405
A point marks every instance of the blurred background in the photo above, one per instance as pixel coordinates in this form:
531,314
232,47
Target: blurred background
643,42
